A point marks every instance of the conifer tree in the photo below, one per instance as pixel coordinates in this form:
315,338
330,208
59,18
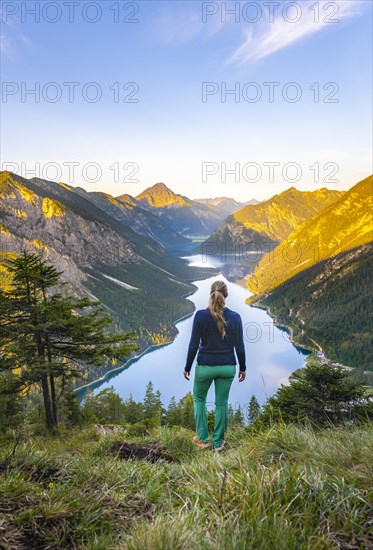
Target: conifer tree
11,407
320,393
47,336
173,416
150,401
70,406
132,412
159,411
210,420
187,411
239,417
254,409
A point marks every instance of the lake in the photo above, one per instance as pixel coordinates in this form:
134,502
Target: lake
270,355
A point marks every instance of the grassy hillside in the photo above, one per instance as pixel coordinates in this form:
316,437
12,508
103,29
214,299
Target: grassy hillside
288,488
330,305
343,225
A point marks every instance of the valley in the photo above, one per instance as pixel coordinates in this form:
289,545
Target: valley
133,255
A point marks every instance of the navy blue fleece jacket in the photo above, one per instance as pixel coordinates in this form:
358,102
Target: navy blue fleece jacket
211,347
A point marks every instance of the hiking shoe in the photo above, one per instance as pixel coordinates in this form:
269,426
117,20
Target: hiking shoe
218,449
200,443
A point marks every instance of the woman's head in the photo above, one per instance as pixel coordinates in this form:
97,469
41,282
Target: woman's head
218,293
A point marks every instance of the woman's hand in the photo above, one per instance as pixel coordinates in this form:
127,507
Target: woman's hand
186,375
241,376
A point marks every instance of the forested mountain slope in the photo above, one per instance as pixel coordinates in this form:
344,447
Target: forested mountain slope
345,224
329,305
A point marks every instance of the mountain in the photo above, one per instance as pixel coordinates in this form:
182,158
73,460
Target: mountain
185,216
344,224
141,284
126,210
258,226
224,205
252,201
159,196
329,305
127,199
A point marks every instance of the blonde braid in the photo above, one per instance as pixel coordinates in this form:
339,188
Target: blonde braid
218,293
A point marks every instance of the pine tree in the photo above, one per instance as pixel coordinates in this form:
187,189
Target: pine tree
46,336
70,406
173,416
230,414
239,417
210,420
132,412
159,410
254,409
114,406
11,406
187,411
320,393
150,401
105,407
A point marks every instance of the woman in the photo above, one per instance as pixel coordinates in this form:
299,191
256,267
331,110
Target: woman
216,333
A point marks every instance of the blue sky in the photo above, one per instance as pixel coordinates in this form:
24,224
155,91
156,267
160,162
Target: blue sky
170,134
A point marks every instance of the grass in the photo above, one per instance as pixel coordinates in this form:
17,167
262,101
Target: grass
283,489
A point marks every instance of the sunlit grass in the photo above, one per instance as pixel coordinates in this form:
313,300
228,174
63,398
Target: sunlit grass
288,487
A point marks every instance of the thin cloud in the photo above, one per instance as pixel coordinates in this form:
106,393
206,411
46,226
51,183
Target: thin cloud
5,45
26,41
181,22
11,37
265,39
178,27
10,45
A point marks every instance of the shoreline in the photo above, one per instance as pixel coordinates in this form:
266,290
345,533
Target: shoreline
149,349
288,328
80,391
317,350
129,362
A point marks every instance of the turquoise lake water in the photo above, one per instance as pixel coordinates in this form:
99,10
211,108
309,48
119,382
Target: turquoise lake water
270,355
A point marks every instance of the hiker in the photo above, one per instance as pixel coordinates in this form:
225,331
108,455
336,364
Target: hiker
216,333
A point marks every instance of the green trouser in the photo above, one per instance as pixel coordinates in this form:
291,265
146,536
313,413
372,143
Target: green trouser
223,376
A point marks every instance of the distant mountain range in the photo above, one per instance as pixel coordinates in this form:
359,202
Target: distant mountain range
225,205
126,210
184,215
